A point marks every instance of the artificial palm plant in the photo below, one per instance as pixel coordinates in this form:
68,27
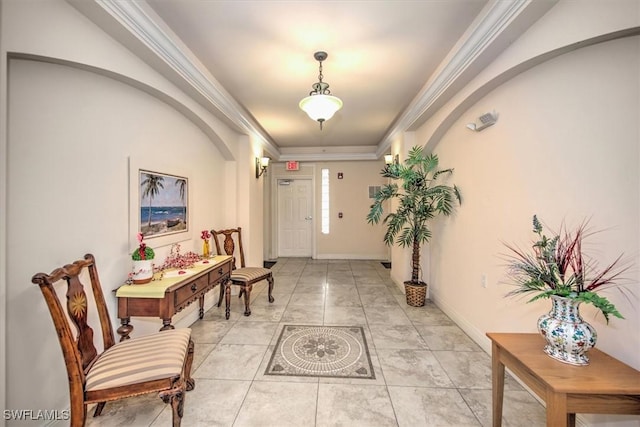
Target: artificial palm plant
420,198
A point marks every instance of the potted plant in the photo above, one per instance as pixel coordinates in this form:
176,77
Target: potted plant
558,269
420,198
142,258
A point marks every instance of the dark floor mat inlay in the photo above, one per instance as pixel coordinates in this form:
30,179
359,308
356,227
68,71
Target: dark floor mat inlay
321,351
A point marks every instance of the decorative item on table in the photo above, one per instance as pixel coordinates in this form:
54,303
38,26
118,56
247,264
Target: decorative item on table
559,269
142,258
176,260
205,236
420,199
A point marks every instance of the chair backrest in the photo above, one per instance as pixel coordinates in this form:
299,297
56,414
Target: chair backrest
79,351
231,236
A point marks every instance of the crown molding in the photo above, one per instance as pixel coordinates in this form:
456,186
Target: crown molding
329,153
327,157
142,23
498,15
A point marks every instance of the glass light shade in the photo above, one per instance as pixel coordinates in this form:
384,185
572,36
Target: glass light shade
261,165
320,107
388,159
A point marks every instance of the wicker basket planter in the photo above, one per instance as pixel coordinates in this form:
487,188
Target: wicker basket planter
416,293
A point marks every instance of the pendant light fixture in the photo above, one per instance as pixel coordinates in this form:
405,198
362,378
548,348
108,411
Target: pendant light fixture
320,105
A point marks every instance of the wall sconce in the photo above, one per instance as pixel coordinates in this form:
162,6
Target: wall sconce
391,159
486,120
261,165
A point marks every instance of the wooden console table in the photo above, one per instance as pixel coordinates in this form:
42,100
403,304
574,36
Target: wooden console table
167,296
605,386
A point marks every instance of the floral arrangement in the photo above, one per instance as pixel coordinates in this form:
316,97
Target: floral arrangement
558,266
177,260
143,252
205,236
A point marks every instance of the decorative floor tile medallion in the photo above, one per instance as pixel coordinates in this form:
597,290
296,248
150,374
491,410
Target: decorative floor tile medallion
321,351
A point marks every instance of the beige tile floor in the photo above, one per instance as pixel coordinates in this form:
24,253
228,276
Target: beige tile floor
428,371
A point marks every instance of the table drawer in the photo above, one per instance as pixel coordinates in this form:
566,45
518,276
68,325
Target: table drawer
216,275
189,291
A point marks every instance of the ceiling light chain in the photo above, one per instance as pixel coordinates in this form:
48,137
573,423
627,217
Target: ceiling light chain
320,75
320,88
320,105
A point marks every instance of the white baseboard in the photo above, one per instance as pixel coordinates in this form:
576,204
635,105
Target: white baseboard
474,333
372,257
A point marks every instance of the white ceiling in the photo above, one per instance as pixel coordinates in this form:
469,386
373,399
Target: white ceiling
381,53
389,61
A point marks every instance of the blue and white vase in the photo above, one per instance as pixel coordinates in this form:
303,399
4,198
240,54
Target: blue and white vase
568,336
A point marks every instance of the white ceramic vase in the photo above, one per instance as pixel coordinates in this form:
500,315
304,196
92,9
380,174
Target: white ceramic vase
142,271
568,336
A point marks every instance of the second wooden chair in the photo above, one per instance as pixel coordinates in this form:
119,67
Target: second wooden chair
244,277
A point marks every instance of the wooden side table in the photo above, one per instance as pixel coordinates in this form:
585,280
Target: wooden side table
165,297
605,386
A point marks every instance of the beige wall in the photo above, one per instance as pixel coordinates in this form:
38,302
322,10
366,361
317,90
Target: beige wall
566,148
248,202
350,237
72,134
78,113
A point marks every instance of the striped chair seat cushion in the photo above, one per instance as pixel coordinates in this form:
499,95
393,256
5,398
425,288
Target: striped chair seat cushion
152,357
249,274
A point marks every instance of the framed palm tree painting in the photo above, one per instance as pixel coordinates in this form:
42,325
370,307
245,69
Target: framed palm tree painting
158,203
163,202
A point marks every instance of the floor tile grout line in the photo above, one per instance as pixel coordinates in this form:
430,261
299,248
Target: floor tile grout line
364,269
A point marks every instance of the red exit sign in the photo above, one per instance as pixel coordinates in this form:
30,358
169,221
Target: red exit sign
292,166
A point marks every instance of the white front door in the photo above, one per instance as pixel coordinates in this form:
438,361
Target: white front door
295,221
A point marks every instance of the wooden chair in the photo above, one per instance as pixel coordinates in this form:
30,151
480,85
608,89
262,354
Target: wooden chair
160,362
244,276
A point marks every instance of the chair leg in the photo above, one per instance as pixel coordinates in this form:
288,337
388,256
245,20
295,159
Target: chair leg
99,408
247,299
227,299
222,286
191,383
78,410
175,397
270,280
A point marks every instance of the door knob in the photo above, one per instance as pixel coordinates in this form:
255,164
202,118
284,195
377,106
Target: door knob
308,218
